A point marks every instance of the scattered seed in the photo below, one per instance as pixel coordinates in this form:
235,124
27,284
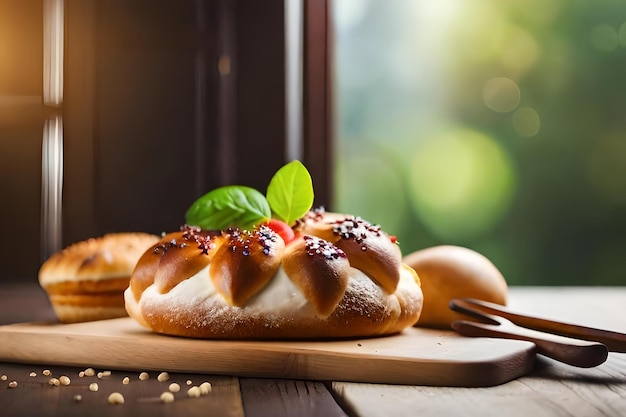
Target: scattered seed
194,392
126,380
3,378
54,382
90,372
205,388
115,398
189,382
144,376
174,387
81,374
64,380
12,384
103,374
46,372
167,397
163,376
33,374
93,387
77,398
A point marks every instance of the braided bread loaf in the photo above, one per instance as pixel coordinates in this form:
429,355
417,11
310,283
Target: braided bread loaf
339,277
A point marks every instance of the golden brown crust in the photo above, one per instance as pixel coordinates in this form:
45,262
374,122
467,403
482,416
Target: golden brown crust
368,247
110,256
89,310
247,288
88,287
448,272
86,280
244,263
321,279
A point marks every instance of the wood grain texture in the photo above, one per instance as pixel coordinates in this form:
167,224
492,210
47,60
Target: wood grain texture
286,398
553,389
416,356
34,396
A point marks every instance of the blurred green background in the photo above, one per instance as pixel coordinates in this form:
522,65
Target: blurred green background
496,125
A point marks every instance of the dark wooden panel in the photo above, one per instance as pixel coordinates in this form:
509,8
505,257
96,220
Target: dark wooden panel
165,126
79,163
132,114
21,131
318,99
260,96
20,191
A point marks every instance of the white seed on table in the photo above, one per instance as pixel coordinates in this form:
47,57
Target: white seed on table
54,382
126,380
167,397
189,382
93,387
194,392
205,388
115,398
103,374
3,378
77,398
163,376
90,372
144,376
65,380
33,374
12,384
81,374
174,387
46,372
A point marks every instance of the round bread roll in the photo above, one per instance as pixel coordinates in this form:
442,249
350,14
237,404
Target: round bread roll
86,280
447,272
238,284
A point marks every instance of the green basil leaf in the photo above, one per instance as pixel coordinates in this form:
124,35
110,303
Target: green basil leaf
231,205
290,192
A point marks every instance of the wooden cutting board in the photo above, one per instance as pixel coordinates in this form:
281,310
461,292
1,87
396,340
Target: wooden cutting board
415,357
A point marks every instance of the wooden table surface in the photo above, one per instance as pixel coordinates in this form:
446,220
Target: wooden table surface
553,389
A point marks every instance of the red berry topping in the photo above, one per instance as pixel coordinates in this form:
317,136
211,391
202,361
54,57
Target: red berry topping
282,229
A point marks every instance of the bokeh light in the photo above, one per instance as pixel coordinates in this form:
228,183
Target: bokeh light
526,122
501,94
520,51
604,37
462,182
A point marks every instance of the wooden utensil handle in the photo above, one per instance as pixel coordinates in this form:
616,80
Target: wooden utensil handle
574,352
614,341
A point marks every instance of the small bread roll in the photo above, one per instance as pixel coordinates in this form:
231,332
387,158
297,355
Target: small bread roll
86,280
447,272
238,284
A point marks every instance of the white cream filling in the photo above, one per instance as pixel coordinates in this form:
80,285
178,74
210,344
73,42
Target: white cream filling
280,295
